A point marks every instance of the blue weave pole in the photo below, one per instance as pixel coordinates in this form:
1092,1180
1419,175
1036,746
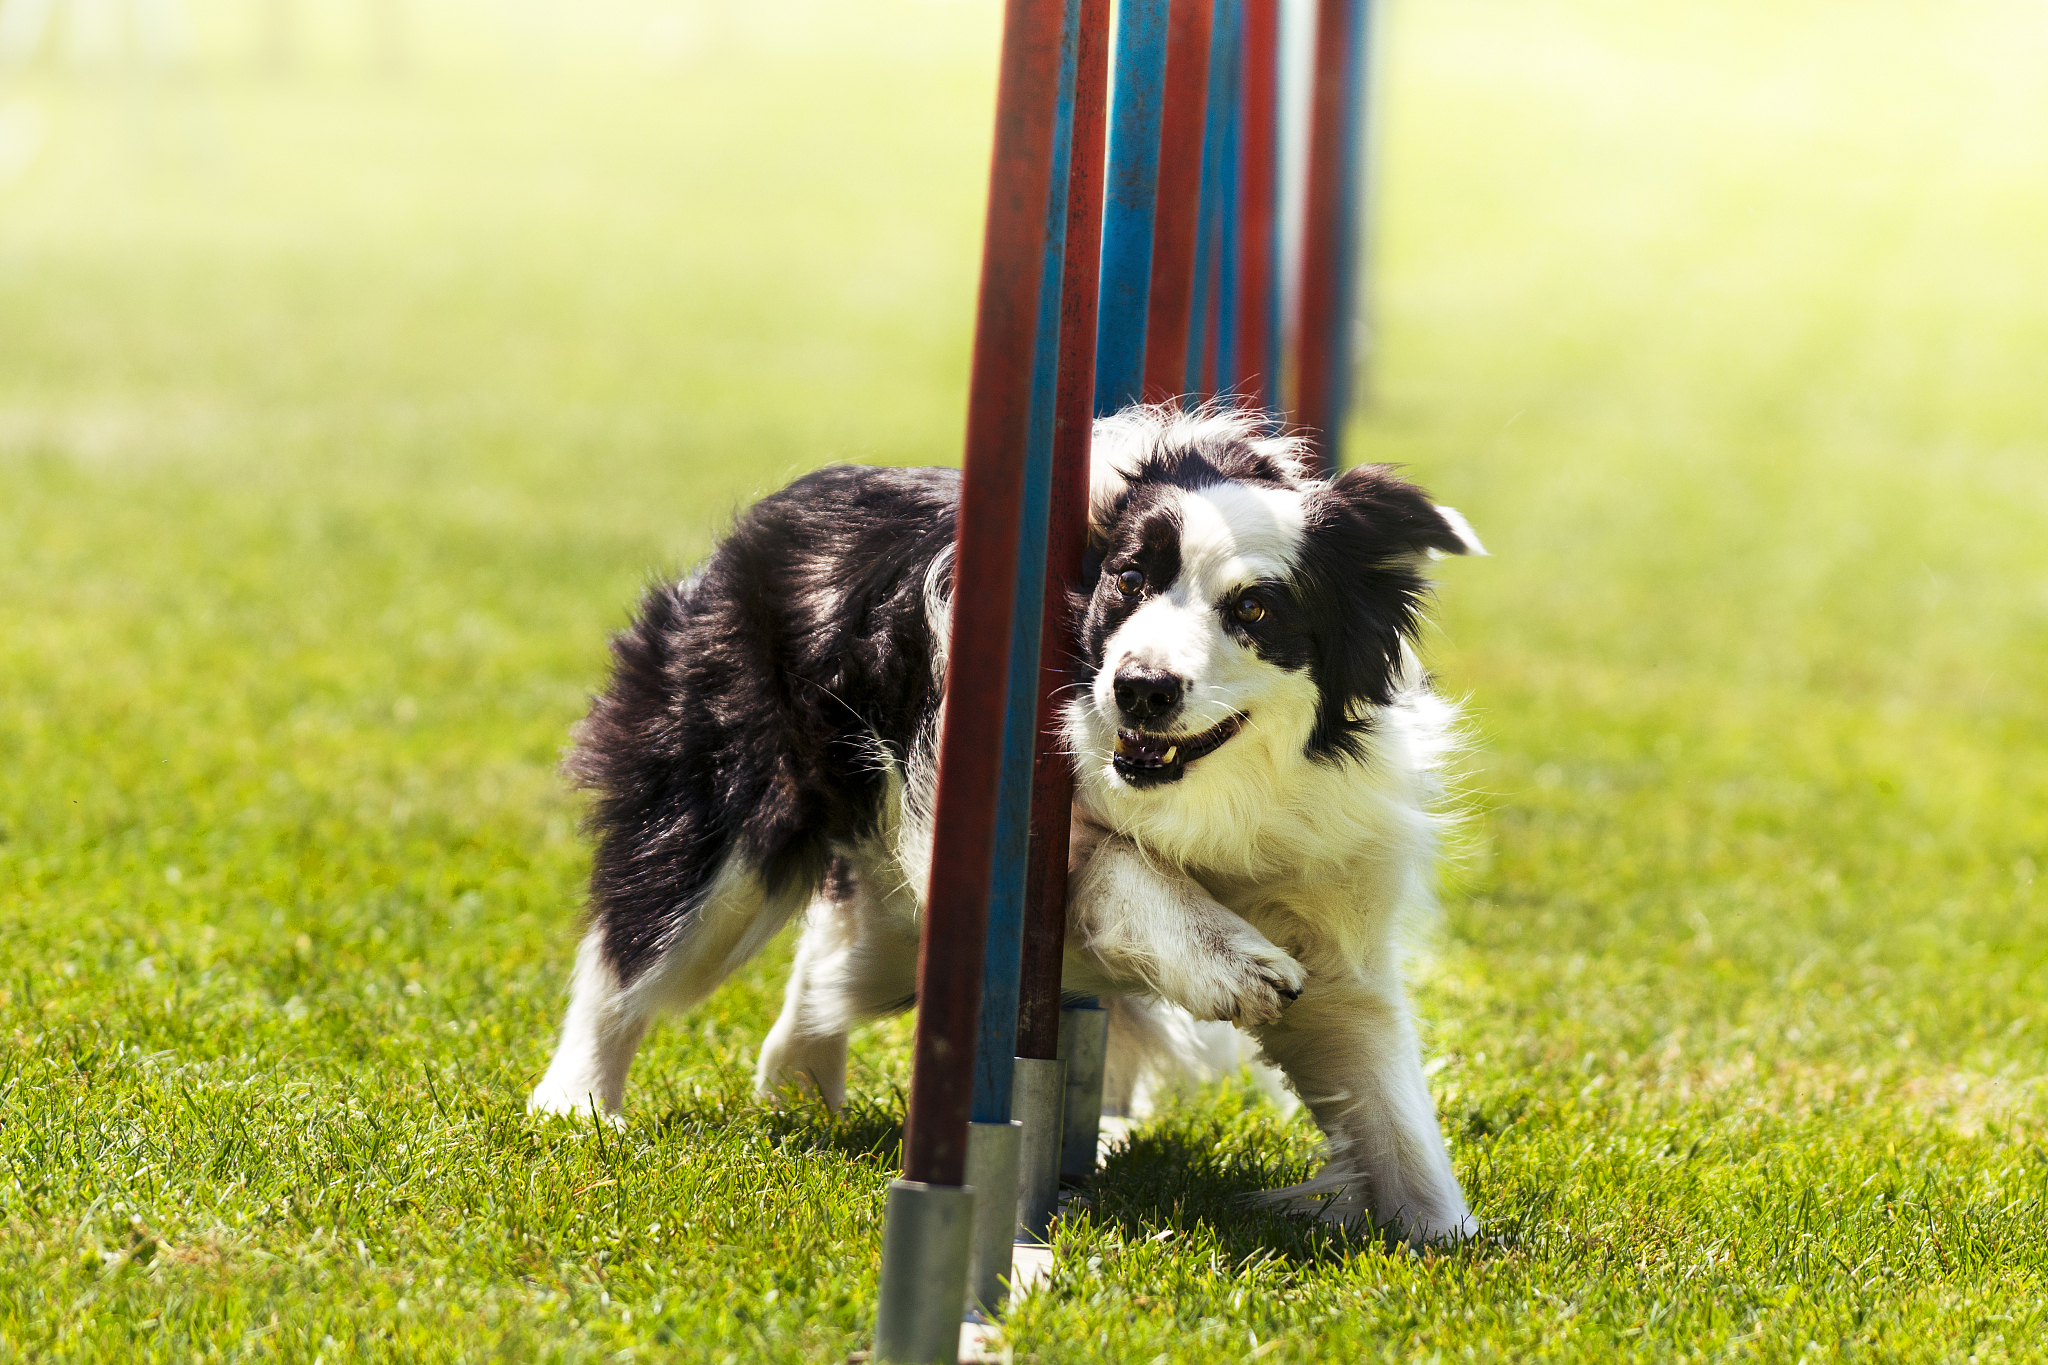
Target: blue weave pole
995,1046
1227,233
1129,194
1207,340
1352,304
1274,302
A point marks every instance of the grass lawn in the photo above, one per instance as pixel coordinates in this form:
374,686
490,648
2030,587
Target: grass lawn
341,417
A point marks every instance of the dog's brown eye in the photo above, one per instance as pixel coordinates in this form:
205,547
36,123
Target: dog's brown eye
1248,609
1129,581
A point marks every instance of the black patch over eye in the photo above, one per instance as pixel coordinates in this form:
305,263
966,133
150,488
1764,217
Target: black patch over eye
1248,609
1138,555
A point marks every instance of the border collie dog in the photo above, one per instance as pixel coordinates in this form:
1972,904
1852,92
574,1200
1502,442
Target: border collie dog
1256,752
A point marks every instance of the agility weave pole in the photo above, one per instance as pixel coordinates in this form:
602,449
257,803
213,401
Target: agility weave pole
1210,330
1177,219
928,1221
1254,368
1330,254
1129,196
995,1136
1041,1079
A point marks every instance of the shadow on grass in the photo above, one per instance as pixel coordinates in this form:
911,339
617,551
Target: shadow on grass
1203,1171
1198,1168
863,1127
866,1127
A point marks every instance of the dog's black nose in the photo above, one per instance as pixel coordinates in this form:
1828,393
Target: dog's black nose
1146,697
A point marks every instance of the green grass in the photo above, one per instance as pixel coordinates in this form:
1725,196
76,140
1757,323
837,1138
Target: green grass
340,418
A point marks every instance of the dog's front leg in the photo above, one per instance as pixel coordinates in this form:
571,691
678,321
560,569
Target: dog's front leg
1350,1049
1133,927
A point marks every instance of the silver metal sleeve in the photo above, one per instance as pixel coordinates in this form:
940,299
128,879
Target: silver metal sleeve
1084,1043
926,1234
992,1150
1038,1098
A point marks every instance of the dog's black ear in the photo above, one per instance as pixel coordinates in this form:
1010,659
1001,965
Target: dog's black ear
1361,584
1398,516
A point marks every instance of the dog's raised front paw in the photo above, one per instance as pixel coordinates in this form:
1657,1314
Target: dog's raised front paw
1245,980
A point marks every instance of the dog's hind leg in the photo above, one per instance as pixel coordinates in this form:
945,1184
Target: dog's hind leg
599,1037
732,921
856,960
807,1047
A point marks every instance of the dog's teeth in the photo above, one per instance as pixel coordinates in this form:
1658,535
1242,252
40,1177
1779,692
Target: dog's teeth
1171,752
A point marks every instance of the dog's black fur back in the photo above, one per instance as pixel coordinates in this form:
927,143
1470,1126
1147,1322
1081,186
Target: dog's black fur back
745,702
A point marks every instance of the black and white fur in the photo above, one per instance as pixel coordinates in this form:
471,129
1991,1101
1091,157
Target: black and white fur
1256,753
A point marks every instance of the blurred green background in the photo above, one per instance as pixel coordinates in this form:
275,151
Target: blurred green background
358,361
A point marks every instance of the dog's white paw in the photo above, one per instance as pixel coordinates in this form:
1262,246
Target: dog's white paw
1419,1228
1342,1199
559,1101
793,1066
1245,980
1444,1232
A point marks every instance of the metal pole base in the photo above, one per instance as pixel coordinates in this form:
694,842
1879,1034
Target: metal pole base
1084,1044
926,1234
1038,1097
992,1173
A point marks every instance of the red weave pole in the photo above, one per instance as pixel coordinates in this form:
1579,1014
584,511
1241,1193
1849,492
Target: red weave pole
1257,357
1052,777
1315,337
1174,228
984,583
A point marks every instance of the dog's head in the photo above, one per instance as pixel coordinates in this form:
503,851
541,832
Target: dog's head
1238,611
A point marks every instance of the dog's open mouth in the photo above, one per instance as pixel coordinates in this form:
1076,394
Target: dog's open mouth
1154,760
